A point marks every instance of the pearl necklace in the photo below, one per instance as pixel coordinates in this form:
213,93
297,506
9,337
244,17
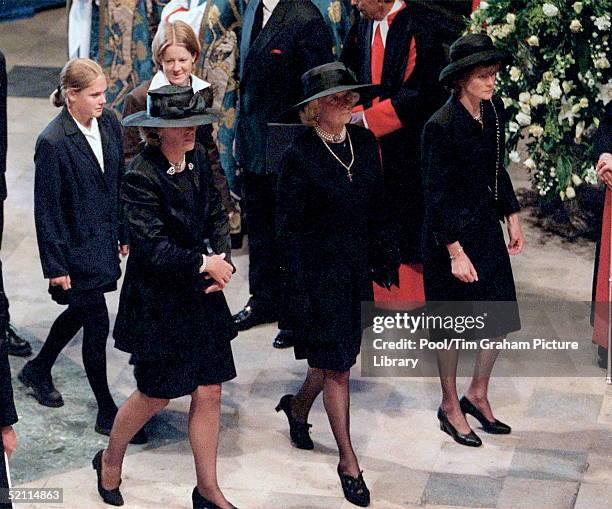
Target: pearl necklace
348,166
329,137
478,118
179,167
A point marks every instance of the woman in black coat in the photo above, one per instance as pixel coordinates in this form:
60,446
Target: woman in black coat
79,162
172,315
467,192
331,224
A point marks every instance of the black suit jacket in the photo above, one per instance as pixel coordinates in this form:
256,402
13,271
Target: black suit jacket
294,40
163,312
76,205
3,124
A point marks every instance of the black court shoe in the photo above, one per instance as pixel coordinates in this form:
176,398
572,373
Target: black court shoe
199,502
111,497
355,489
496,427
298,431
471,439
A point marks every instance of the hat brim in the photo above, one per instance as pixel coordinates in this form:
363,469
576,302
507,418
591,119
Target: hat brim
483,58
143,119
366,92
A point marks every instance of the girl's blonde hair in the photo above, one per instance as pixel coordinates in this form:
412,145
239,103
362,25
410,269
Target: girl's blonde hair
77,74
175,32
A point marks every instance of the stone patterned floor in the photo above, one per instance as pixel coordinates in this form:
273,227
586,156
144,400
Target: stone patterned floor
558,457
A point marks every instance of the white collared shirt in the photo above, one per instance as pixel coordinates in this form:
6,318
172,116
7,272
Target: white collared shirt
384,23
160,80
268,9
93,137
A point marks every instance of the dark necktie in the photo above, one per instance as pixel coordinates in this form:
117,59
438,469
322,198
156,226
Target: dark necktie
257,22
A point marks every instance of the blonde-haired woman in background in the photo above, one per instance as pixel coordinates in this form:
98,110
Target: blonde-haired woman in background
176,49
79,162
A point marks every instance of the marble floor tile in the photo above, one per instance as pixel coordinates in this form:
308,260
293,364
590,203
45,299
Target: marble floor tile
547,464
472,491
594,496
537,494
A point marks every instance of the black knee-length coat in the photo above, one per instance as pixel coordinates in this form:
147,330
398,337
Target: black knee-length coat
76,204
163,311
334,232
459,177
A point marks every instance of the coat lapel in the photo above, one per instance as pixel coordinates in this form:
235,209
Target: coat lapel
272,28
397,47
77,139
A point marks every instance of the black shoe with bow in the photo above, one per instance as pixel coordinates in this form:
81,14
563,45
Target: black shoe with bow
17,346
41,385
470,439
111,497
495,428
104,425
298,431
284,339
253,314
355,489
199,502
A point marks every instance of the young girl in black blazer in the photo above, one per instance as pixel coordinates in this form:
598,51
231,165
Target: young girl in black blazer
79,162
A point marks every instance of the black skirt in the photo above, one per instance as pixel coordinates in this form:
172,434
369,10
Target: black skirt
483,242
174,377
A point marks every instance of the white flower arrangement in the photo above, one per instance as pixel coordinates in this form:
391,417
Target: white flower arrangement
555,88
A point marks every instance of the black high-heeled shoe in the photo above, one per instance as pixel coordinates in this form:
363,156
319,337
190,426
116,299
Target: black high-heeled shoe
112,497
355,489
300,436
496,427
471,439
199,502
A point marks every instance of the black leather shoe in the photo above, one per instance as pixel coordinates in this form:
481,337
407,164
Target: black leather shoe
199,502
471,439
496,427
252,315
105,424
284,339
298,431
42,386
355,489
111,497
17,346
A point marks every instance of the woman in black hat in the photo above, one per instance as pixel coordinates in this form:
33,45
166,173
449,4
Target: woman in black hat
331,222
467,193
172,315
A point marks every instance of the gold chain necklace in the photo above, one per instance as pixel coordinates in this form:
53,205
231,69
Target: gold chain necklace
347,167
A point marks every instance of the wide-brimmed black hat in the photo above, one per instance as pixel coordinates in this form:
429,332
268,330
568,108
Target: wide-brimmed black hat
469,51
332,78
173,106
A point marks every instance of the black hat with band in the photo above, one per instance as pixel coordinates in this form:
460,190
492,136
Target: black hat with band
470,51
173,106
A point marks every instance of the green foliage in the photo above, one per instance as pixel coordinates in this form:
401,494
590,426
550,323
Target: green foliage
556,86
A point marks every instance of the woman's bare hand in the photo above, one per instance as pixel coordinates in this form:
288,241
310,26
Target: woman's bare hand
462,268
219,270
63,281
515,234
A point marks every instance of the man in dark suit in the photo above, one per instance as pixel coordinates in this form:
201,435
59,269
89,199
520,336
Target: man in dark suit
8,415
281,39
16,345
397,44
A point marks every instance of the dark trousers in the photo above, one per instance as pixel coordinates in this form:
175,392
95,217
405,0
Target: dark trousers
3,479
260,207
90,314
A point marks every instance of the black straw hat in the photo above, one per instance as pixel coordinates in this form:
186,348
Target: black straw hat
470,51
173,106
332,78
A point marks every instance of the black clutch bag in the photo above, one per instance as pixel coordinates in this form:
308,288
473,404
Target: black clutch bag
59,295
